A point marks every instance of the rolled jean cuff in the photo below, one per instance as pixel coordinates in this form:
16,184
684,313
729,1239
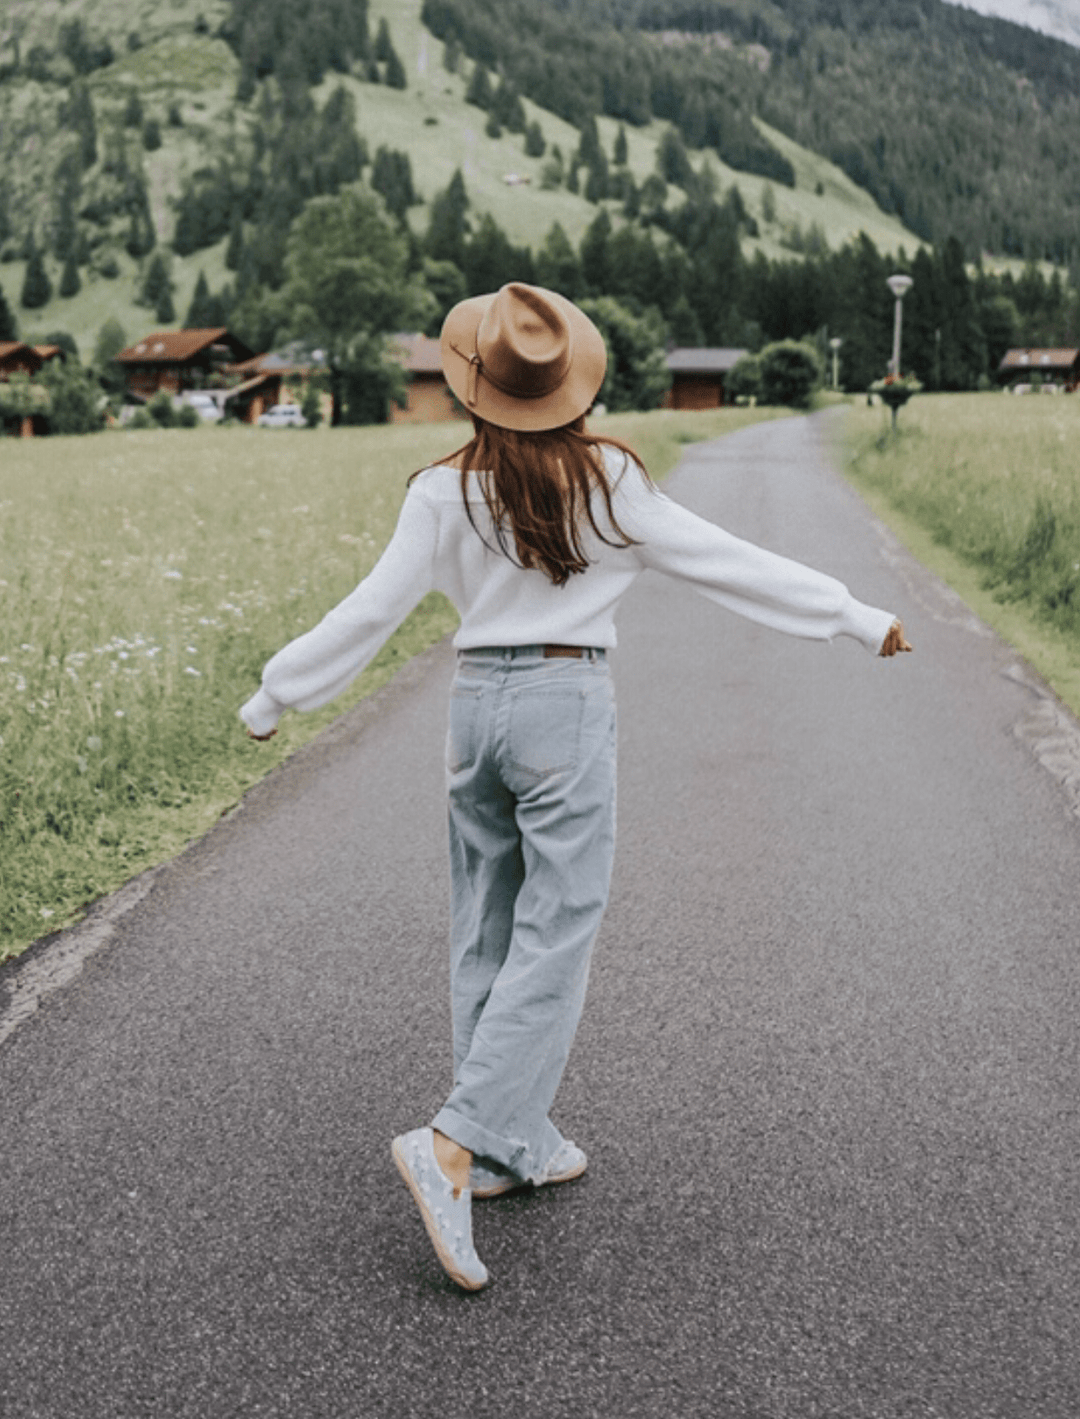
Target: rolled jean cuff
509,1153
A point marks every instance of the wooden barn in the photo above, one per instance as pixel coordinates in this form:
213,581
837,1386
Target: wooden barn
1055,366
697,376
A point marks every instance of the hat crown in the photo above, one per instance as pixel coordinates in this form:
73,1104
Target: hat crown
524,342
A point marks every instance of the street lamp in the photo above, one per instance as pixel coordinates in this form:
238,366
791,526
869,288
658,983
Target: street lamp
834,346
899,285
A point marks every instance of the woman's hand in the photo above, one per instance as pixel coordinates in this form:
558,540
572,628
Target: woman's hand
894,640
263,737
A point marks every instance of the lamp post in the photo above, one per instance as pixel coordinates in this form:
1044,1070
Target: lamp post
834,346
899,285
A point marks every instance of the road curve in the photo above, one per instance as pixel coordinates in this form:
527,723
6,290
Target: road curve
826,1077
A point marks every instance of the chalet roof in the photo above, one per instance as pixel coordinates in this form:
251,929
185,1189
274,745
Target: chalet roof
177,347
419,354
43,352
1036,360
294,358
716,359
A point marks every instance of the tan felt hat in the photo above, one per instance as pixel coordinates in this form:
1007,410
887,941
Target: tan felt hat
524,358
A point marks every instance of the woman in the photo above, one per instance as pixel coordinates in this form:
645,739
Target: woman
534,530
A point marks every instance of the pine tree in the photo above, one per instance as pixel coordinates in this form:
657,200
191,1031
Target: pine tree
197,317
535,144
133,110
395,72
620,152
234,252
37,288
479,90
595,265
9,326
70,285
447,229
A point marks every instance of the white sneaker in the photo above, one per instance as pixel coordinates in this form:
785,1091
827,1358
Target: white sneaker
448,1219
567,1162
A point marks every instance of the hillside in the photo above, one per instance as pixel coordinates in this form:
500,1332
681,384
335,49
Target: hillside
184,64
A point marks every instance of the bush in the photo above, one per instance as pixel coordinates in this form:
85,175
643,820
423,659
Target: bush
744,380
790,372
75,402
188,418
161,410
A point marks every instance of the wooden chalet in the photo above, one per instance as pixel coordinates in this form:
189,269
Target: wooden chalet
19,358
178,360
697,376
429,399
1055,366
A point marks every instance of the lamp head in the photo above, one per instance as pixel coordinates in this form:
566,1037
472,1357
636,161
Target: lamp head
900,285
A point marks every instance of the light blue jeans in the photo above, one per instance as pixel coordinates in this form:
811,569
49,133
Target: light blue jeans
531,780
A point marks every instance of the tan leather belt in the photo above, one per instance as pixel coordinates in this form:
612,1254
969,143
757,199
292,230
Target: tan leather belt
568,652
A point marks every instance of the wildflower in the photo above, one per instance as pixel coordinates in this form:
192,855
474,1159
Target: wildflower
120,714
193,650
190,670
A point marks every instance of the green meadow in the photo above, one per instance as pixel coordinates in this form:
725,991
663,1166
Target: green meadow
145,579
985,490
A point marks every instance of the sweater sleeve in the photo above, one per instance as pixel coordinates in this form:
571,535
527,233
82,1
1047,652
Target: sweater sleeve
745,578
315,668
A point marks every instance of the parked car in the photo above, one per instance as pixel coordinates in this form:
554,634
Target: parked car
282,416
206,406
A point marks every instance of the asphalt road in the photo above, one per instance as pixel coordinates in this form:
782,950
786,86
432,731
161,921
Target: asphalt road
826,1077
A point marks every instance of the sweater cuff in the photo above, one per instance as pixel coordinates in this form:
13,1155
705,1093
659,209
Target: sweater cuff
868,625
262,712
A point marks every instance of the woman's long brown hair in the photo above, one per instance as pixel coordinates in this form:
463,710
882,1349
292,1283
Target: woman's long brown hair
538,488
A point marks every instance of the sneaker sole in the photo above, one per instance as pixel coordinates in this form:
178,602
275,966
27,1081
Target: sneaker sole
501,1189
449,1265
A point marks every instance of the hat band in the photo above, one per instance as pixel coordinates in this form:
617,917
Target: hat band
478,368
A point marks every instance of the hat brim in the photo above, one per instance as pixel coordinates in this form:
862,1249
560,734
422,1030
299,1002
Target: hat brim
574,396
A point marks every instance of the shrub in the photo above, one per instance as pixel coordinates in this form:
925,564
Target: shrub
790,372
188,418
161,410
744,379
310,407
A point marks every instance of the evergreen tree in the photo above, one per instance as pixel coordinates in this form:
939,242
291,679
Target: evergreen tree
596,183
234,252
384,47
78,115
490,261
558,266
9,326
111,339
479,90
620,151
70,284
395,72
199,315
595,264
448,226
535,146
133,110
37,288
156,282
151,135
391,177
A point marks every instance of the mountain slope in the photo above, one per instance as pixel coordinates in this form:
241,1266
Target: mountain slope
430,120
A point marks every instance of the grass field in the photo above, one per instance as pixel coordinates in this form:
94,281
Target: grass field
985,490
146,579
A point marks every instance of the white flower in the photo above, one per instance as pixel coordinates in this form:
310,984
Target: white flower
193,650
190,670
119,714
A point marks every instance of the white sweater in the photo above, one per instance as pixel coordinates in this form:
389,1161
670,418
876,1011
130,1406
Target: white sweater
435,548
